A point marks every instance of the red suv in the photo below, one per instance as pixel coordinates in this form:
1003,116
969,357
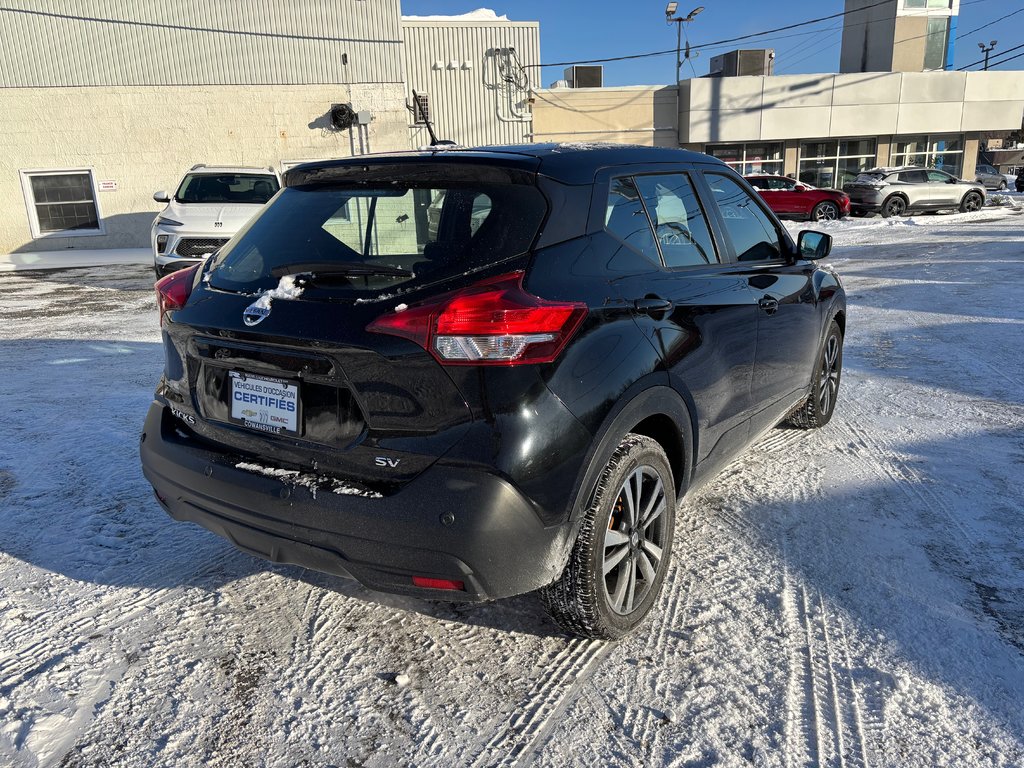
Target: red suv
789,197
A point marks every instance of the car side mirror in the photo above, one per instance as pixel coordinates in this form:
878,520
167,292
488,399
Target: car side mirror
800,188
813,245
951,180
162,196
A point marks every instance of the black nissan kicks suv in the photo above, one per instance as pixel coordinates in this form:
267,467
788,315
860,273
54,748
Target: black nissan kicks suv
473,373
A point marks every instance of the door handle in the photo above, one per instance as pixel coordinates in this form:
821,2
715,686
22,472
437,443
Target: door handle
652,305
768,304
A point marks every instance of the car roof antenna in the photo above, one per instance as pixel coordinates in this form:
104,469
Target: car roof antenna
417,106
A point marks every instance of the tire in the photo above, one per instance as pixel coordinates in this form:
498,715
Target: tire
972,202
825,211
1004,186
816,411
587,602
894,206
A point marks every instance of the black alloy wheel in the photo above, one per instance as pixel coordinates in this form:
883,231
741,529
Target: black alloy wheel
894,206
825,211
972,202
618,564
816,411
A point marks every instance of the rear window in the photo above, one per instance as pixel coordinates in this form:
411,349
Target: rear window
427,233
244,188
868,178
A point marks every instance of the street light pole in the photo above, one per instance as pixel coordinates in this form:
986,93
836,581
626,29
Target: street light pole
671,18
986,51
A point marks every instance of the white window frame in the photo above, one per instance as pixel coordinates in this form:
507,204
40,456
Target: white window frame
30,203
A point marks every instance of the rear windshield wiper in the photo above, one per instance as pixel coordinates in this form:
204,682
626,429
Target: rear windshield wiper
341,268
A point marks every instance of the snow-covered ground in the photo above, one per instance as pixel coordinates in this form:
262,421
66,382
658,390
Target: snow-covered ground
849,597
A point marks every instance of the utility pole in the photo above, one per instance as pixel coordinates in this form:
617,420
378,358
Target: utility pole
988,50
671,18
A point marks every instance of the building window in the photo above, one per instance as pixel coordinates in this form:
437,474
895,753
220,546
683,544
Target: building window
936,42
943,152
749,158
61,203
421,109
926,3
832,163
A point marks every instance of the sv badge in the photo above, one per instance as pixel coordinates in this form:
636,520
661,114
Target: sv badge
386,461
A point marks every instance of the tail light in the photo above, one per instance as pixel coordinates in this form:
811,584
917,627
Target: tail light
494,322
429,583
173,290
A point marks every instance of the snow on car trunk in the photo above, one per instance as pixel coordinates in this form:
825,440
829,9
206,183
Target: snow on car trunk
850,597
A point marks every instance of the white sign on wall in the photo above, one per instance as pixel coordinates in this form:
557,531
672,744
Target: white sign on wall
107,186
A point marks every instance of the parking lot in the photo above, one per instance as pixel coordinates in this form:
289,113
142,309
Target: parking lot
848,597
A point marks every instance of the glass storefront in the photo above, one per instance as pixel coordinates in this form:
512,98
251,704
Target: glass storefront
943,152
833,162
764,157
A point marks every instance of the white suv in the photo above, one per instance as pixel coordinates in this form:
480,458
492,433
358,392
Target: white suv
210,205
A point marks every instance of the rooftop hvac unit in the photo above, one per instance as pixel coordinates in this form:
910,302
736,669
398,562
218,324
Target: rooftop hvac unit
589,76
758,61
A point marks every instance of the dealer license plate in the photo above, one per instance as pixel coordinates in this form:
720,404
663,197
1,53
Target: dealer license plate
268,405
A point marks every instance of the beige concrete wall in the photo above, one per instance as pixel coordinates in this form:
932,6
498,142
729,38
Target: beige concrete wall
862,104
146,137
631,115
909,45
971,142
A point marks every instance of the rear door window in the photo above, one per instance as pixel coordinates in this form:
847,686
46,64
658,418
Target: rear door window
914,177
626,219
679,222
753,235
427,231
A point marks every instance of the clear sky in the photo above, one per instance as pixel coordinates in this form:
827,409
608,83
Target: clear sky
601,28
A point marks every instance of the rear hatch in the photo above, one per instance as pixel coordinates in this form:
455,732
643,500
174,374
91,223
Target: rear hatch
865,186
272,352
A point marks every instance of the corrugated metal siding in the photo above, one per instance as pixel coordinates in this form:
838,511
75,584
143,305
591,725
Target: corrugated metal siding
54,43
475,105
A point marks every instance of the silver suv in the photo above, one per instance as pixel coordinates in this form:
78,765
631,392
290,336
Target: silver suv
209,205
899,191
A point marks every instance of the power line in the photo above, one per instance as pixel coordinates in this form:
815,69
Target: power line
717,42
721,43
982,61
997,62
1009,59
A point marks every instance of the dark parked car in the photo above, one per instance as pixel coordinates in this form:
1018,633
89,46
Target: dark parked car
990,177
505,395
1019,181
790,198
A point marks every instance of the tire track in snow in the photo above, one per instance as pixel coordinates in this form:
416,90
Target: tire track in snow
534,719
931,505
826,719
114,610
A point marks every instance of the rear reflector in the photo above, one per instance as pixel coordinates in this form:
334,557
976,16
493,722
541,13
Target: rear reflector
173,290
423,581
495,322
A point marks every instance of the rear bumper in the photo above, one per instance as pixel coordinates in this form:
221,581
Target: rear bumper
450,522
